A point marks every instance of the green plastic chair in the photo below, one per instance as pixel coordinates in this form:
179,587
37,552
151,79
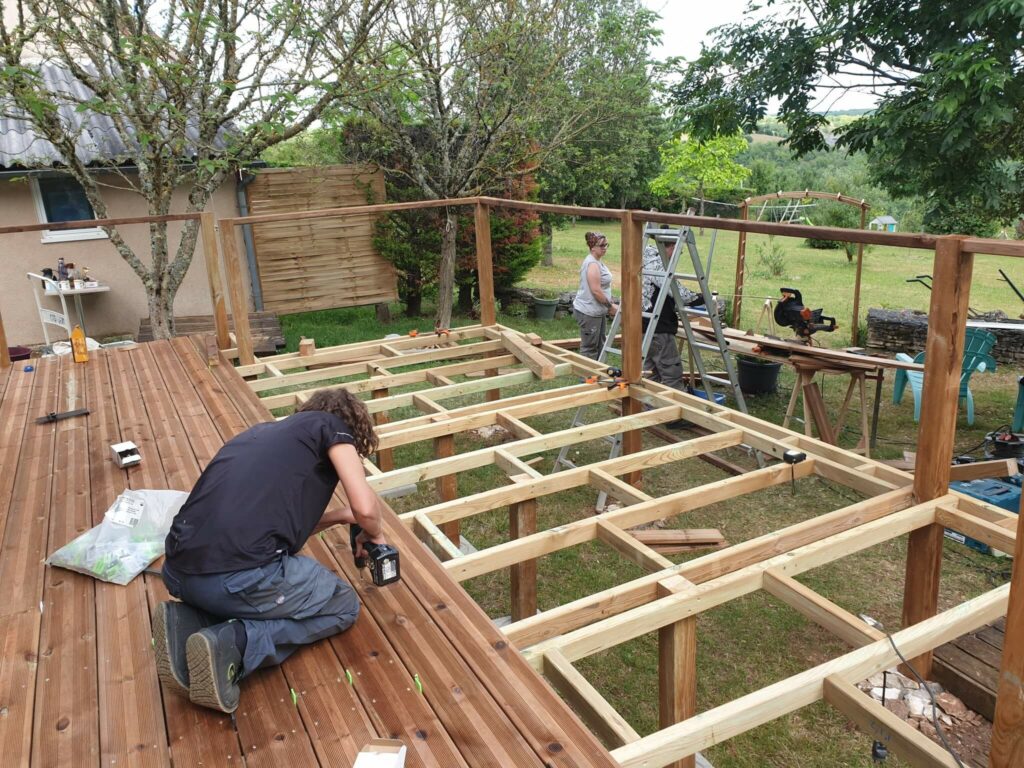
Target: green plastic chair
977,345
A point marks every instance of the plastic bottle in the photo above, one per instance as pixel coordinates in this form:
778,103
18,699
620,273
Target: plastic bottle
62,273
79,351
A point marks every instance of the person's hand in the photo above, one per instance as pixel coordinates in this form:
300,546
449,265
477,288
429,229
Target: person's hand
613,309
363,537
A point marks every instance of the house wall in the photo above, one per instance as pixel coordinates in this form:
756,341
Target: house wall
119,310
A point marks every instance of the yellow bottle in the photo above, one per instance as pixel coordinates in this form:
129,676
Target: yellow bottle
78,349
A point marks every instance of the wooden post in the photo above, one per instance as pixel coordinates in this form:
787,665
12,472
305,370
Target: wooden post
855,324
447,485
632,331
484,263
741,260
485,279
212,256
5,356
385,456
947,324
677,668
239,295
1008,726
522,521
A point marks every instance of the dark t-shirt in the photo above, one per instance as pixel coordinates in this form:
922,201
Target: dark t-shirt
668,321
260,497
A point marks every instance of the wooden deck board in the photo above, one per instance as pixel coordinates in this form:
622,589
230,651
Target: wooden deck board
78,683
24,546
66,676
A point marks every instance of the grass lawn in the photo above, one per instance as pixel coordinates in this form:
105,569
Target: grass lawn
825,278
757,640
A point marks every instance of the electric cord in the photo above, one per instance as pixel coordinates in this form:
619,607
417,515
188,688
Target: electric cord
921,682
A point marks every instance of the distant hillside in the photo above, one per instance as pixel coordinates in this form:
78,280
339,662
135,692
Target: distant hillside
764,138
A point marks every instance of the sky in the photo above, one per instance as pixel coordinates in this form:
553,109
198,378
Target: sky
685,24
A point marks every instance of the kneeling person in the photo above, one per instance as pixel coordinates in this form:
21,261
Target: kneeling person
248,601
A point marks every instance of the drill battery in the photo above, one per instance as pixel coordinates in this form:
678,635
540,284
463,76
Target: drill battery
381,559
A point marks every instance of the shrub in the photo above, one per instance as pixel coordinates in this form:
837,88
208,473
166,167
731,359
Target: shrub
771,258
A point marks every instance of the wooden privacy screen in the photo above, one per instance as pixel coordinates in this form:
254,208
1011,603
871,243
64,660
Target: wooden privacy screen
319,263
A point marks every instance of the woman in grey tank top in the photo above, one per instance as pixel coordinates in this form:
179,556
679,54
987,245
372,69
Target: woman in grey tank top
593,302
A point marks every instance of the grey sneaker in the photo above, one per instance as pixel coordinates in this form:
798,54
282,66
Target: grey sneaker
214,666
173,622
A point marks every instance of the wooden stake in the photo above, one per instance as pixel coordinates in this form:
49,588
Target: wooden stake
239,295
522,521
677,668
947,323
1008,727
212,256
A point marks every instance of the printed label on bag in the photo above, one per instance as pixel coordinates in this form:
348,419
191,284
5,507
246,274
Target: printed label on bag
127,511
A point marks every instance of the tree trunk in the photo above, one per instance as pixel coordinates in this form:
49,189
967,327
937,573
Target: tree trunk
413,302
446,273
466,298
161,310
383,313
547,232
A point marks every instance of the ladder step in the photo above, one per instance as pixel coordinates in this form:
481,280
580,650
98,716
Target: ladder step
613,350
565,462
720,380
708,347
695,311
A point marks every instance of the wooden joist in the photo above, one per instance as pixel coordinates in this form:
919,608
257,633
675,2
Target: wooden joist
529,355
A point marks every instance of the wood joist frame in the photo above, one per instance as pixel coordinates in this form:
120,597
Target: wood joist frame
670,595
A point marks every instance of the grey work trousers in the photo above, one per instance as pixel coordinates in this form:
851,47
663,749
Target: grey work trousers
283,605
664,362
592,330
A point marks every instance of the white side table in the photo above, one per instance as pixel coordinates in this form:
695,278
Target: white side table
52,289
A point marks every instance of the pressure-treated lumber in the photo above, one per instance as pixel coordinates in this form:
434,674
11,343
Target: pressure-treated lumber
716,725
484,263
1008,726
882,725
583,611
212,260
670,541
597,713
822,612
947,318
529,356
239,294
677,668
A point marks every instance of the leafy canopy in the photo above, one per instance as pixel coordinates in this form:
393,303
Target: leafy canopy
691,166
949,77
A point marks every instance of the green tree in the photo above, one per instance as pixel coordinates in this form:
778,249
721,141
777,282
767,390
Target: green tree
192,89
691,167
949,126
615,83
473,86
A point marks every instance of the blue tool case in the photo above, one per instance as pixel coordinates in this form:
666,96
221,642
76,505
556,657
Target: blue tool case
999,493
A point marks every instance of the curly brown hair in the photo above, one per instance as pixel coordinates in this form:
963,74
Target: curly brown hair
349,409
593,238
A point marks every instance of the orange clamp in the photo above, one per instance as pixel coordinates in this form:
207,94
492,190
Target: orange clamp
414,333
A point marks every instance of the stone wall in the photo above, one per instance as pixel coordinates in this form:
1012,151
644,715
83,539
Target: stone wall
906,331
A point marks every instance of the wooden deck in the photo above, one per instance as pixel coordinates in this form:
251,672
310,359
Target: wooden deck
78,684
969,667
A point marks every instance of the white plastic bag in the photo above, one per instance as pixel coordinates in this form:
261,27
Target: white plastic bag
130,537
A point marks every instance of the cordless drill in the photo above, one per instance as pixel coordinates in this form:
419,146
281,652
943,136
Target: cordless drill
381,559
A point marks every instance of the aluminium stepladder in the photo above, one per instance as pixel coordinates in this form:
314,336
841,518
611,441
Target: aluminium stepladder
670,244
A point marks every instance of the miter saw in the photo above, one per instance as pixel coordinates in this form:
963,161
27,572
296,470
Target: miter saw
791,312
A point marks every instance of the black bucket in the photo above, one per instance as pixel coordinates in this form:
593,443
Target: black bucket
758,378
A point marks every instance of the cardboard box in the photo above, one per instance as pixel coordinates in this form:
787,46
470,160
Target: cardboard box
381,753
